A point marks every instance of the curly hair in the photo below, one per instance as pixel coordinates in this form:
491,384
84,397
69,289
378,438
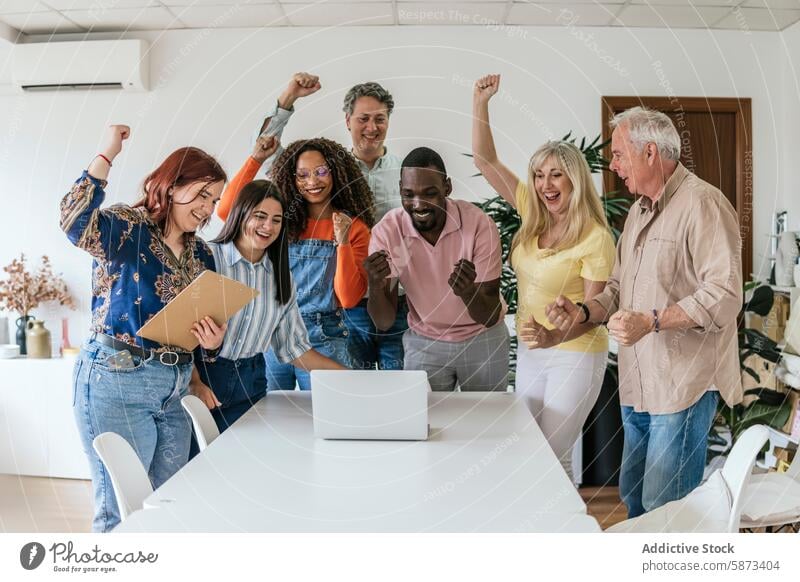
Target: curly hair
351,193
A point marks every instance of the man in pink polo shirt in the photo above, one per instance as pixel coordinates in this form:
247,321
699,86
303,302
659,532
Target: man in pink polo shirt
446,254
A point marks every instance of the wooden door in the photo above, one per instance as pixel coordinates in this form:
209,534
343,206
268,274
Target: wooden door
716,144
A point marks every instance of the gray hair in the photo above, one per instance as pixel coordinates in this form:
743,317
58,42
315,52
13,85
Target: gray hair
649,126
369,89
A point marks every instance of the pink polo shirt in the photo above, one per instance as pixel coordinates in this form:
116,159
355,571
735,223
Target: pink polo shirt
423,269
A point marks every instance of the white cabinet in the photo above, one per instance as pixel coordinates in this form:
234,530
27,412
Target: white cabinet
38,435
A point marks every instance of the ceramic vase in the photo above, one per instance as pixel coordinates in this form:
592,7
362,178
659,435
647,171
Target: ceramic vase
38,340
22,325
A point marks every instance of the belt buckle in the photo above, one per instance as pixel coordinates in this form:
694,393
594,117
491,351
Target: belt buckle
168,363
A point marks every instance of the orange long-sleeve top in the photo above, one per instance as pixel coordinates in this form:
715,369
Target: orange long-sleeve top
350,279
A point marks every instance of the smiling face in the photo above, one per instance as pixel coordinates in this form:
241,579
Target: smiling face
313,177
627,162
553,187
368,125
423,192
262,226
193,205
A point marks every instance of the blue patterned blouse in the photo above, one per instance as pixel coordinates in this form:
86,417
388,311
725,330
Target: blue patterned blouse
134,272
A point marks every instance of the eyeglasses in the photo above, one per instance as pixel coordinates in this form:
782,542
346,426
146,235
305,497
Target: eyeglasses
319,172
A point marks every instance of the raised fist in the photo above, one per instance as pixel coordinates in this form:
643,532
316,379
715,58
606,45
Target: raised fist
303,85
266,145
485,88
112,140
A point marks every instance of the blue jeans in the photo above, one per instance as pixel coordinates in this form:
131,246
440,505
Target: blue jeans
368,346
327,335
141,404
664,455
237,384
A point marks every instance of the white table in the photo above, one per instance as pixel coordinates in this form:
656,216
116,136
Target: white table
486,467
170,521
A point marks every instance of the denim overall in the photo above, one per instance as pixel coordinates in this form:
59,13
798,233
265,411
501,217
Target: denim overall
313,266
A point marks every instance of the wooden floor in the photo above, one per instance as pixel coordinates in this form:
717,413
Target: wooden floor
40,504
604,505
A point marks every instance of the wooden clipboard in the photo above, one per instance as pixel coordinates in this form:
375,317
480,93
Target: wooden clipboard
210,295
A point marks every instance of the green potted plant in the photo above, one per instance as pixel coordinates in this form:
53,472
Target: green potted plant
768,407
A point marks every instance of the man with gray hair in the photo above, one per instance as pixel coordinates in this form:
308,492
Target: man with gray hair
671,303
367,107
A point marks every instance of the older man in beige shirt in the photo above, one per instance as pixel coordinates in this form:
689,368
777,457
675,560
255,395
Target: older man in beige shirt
671,303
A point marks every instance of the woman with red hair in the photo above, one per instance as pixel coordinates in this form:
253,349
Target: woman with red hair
144,255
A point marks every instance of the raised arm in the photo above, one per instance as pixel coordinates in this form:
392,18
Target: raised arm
86,226
503,180
300,85
264,148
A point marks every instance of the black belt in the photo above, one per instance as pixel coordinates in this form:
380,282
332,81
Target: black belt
168,358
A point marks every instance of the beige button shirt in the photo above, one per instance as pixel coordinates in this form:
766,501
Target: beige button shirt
683,249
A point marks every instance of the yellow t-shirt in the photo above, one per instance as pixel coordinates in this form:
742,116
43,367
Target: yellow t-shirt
543,275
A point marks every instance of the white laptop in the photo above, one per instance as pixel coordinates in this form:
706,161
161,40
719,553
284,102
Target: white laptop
370,404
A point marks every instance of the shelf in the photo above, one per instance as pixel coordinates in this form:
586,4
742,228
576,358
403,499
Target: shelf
792,292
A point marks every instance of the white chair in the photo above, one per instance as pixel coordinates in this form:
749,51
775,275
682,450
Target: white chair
205,429
713,507
772,500
128,476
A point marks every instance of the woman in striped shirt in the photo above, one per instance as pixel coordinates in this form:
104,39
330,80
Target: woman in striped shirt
252,248
328,214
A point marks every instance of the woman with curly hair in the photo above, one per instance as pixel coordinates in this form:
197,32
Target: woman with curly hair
327,218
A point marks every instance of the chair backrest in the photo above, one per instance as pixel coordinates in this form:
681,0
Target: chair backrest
205,429
128,476
739,466
794,469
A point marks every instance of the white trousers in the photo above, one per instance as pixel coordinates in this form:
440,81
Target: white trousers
560,389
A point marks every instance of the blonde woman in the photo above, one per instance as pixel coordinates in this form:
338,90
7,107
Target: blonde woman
564,247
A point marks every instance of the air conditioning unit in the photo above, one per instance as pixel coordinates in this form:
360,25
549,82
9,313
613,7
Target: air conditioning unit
91,64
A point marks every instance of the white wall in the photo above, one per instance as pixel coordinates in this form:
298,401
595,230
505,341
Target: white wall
211,87
790,190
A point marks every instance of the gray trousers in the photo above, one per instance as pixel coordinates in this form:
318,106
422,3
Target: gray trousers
477,364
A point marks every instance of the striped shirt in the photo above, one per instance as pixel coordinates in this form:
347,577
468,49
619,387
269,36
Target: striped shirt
264,322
